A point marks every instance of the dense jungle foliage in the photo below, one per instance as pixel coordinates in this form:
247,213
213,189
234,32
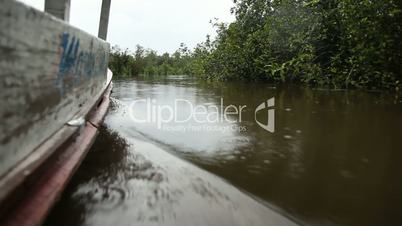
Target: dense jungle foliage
328,43
143,61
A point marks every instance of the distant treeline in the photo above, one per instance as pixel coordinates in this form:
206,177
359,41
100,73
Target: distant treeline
328,43
142,61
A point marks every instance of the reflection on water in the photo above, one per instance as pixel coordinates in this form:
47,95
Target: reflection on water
100,170
144,185
333,159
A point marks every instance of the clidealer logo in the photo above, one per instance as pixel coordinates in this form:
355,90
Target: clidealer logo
268,105
184,114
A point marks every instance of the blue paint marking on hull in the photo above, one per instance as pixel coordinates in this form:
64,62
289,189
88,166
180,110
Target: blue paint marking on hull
75,66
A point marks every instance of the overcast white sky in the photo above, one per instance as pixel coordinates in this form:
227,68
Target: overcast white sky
157,24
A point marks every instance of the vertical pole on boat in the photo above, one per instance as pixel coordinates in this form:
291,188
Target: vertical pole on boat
104,19
58,8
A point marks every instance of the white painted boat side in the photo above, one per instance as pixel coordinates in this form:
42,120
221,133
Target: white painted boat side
50,74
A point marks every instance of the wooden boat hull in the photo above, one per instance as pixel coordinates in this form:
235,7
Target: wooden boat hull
51,73
36,198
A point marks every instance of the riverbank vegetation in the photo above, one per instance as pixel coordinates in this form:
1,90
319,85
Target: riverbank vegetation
143,61
327,43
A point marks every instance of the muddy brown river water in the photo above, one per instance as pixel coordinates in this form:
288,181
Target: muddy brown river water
335,157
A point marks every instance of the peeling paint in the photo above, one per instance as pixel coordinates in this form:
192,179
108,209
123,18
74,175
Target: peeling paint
77,65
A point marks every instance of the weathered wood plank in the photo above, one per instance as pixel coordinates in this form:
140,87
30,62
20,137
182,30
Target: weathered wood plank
16,177
39,196
37,201
50,73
